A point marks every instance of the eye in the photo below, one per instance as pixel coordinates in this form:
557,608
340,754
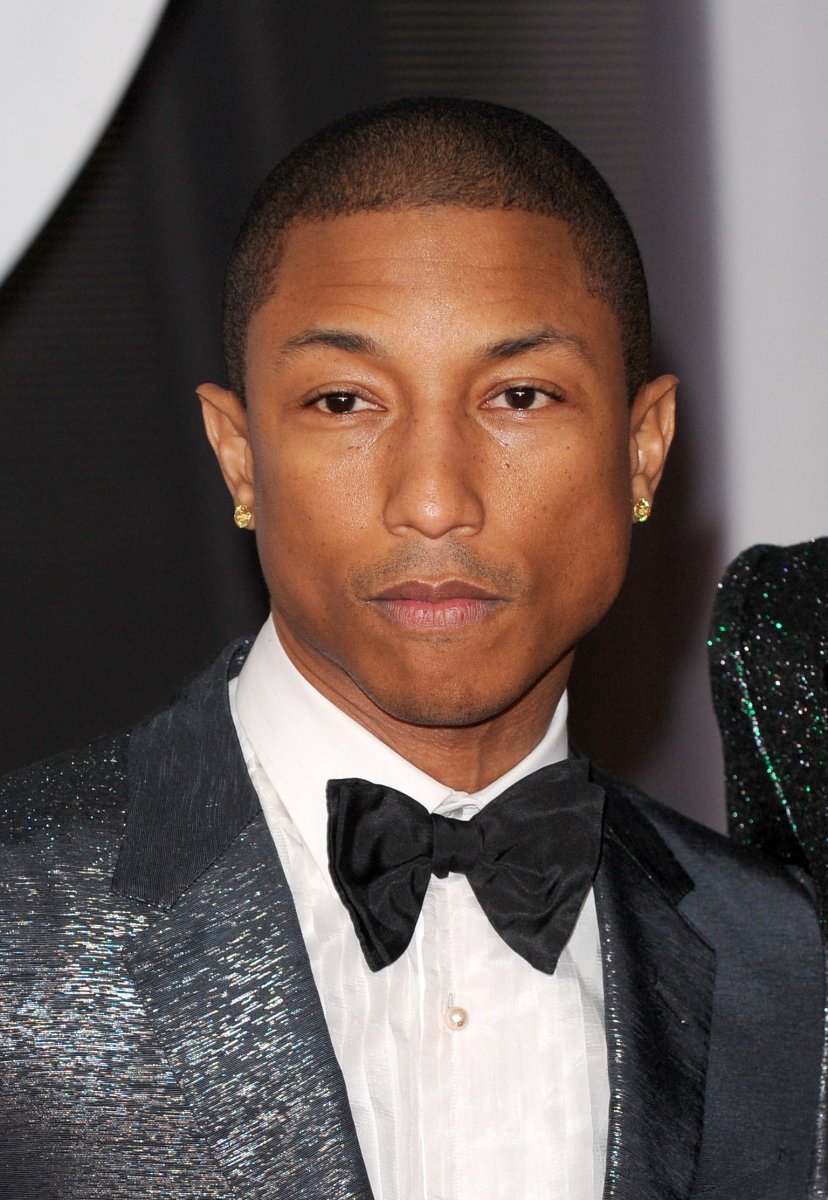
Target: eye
340,403
522,398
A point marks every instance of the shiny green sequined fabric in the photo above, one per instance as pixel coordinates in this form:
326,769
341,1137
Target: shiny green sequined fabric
769,668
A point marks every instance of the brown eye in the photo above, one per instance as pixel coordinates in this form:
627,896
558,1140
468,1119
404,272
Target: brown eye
338,402
521,397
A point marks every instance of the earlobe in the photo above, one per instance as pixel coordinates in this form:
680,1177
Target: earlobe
225,422
652,425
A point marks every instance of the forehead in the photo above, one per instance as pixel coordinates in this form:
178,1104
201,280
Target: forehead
434,275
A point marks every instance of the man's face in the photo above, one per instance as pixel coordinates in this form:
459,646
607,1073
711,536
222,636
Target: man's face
437,448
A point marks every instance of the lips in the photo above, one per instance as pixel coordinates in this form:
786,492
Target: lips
447,589
443,606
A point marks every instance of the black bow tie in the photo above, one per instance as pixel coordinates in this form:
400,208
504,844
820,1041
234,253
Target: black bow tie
530,857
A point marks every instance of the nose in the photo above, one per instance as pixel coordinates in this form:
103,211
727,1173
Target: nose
434,478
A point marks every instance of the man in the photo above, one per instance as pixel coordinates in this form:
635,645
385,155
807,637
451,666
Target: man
285,939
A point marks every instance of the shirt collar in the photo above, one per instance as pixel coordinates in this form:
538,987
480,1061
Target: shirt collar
301,740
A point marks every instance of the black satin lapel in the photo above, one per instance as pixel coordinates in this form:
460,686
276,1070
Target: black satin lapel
227,985
658,983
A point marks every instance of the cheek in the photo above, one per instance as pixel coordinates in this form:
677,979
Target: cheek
310,517
578,525
580,483
601,543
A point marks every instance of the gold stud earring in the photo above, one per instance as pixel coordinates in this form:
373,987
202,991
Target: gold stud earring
641,510
242,515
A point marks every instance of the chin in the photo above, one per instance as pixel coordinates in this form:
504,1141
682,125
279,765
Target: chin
428,707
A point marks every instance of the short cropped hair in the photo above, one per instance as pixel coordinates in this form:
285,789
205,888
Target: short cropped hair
426,152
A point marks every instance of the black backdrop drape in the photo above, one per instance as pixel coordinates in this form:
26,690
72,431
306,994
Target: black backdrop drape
122,571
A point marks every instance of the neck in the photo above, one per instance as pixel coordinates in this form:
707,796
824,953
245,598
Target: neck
467,758
464,757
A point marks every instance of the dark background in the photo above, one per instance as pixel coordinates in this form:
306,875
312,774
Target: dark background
122,570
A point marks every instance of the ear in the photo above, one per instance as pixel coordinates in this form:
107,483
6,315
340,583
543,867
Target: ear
225,420
652,425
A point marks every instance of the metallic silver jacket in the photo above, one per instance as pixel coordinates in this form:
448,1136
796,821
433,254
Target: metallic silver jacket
161,1035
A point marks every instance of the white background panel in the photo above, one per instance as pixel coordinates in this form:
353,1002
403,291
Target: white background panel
64,65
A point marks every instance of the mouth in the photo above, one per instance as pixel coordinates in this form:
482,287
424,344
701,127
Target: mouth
444,605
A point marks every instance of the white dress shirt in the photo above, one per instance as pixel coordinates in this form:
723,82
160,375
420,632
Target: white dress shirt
470,1074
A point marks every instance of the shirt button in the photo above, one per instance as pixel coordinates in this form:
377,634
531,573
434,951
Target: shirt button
455,1018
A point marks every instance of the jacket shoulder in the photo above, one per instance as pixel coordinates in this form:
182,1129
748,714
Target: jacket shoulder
57,798
696,846
88,787
737,896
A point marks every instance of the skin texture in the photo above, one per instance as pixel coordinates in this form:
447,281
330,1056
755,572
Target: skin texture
434,399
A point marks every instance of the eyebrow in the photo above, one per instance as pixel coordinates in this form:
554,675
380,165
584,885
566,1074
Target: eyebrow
334,339
511,347
535,339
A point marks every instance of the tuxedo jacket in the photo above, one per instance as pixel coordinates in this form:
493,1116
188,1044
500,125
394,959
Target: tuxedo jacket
161,1035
